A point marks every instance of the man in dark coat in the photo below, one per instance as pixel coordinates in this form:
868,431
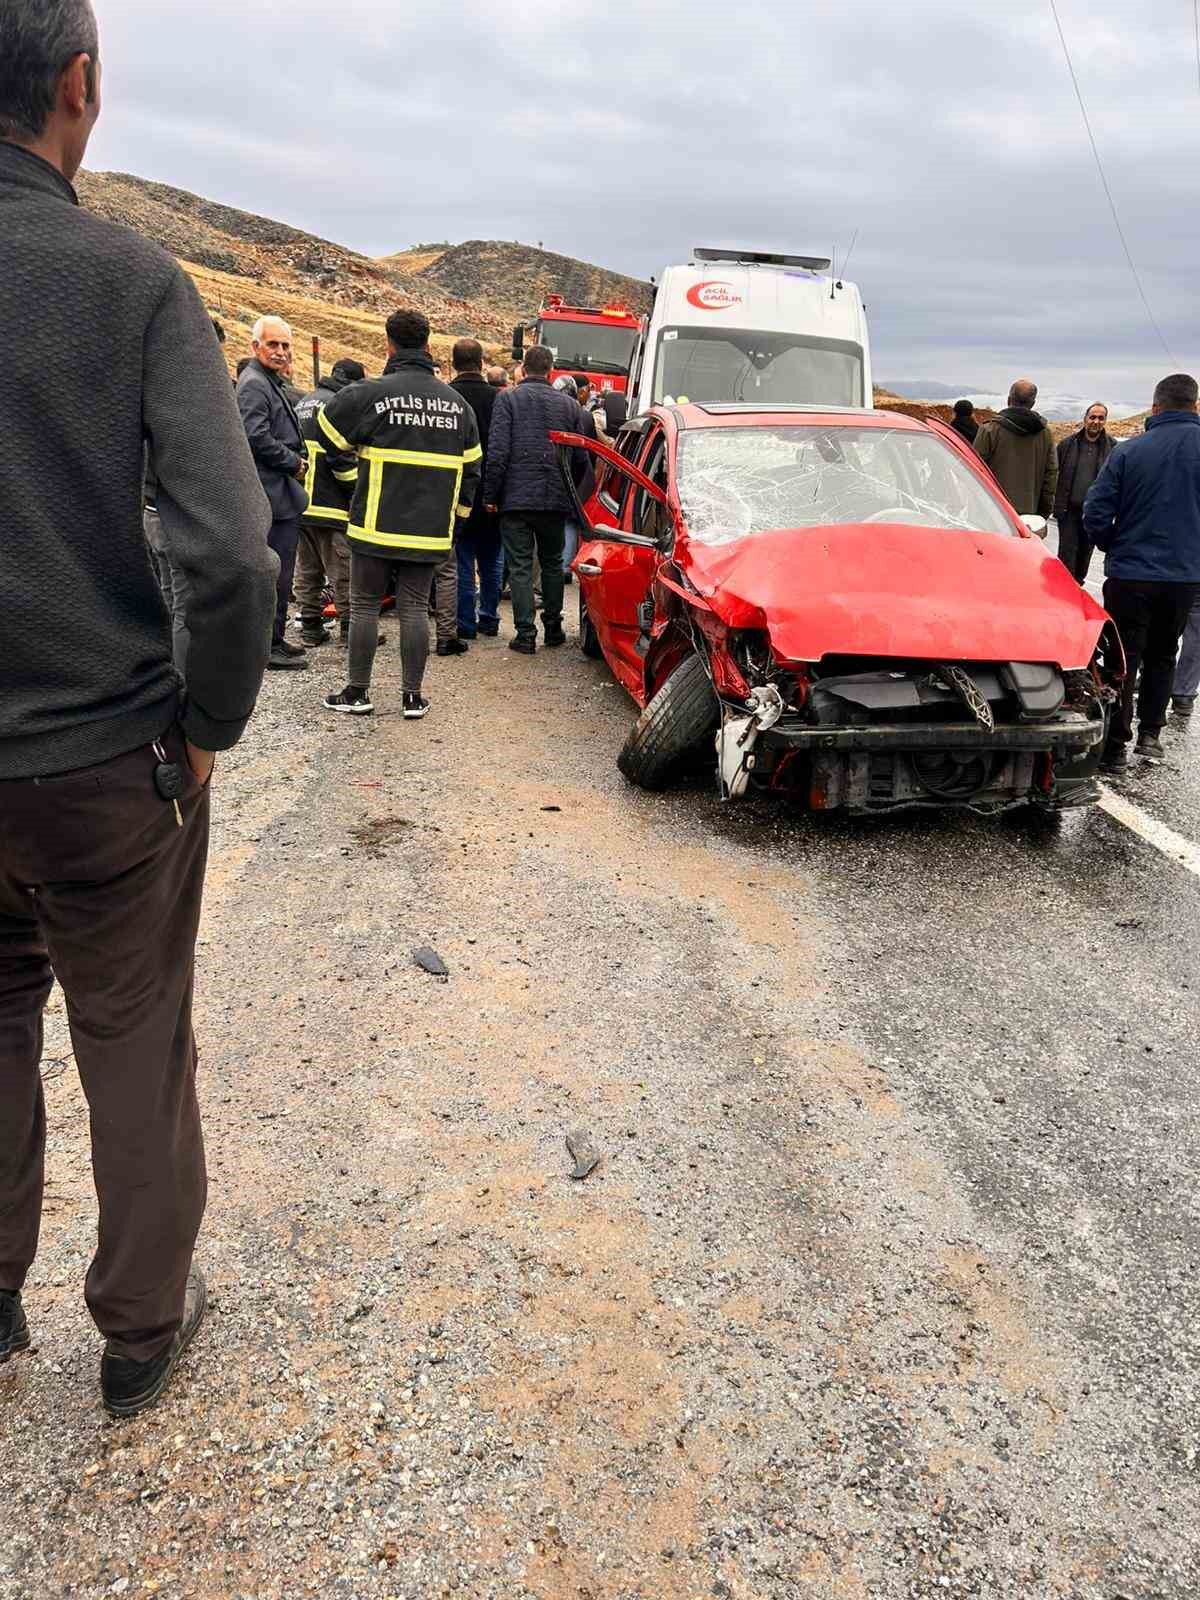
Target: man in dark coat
524,484
1081,459
477,544
1143,511
963,420
1019,448
277,445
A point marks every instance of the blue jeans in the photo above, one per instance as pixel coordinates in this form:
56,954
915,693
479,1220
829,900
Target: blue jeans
570,545
479,549
283,537
1187,673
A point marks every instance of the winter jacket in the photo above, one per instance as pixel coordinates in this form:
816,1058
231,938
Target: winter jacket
276,442
1144,509
481,396
1019,448
332,474
418,452
108,349
1068,456
966,427
522,469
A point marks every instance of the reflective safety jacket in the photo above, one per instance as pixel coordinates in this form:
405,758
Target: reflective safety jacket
332,474
419,460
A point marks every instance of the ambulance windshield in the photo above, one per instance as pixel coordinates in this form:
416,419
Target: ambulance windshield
714,366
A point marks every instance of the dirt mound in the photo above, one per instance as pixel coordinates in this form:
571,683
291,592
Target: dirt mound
516,277
923,409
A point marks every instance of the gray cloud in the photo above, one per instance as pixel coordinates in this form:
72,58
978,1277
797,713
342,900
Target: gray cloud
949,137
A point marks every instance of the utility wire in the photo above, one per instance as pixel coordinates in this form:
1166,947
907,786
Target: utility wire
1196,27
1100,169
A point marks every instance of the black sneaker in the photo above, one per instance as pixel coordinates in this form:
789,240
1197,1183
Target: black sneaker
452,647
1115,759
287,658
288,648
313,638
415,707
1183,704
489,630
128,1387
354,702
14,1330
523,647
554,638
1149,748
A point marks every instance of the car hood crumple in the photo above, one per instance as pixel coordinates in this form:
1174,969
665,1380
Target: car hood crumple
890,589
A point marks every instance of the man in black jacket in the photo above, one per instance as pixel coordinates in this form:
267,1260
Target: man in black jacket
963,421
105,757
323,554
524,484
418,468
1081,459
478,541
277,444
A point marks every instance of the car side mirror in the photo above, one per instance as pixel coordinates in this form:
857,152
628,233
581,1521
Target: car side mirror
1038,526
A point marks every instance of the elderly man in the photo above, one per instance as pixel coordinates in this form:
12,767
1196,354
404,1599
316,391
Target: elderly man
106,766
1143,511
1019,448
1081,459
277,444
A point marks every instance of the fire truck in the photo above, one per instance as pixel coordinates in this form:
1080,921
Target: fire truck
596,342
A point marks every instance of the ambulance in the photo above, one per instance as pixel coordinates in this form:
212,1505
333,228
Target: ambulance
754,328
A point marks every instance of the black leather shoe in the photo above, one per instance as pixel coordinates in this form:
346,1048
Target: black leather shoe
523,647
453,647
489,630
129,1387
14,1330
554,638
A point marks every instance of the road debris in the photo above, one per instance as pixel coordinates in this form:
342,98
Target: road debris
429,961
583,1152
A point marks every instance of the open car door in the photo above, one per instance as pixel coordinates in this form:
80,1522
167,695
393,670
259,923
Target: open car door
625,530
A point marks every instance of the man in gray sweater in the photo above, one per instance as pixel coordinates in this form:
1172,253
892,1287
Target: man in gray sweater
105,754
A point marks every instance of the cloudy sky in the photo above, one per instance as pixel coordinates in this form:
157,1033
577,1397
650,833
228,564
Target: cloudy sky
946,133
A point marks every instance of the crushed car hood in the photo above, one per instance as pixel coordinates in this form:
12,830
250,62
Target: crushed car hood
888,589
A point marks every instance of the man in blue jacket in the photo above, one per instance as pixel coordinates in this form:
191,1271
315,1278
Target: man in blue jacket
1143,511
277,445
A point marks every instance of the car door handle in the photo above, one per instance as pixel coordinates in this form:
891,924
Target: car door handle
589,569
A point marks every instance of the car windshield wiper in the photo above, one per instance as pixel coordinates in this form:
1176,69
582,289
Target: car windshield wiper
591,365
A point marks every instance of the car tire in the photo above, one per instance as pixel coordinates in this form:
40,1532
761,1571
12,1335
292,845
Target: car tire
589,643
673,727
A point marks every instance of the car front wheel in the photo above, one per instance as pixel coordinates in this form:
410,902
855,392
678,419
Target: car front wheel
589,642
673,727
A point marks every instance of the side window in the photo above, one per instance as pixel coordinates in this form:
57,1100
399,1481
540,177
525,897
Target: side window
613,484
649,517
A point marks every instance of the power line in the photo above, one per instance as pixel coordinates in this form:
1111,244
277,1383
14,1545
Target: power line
1196,27
1100,169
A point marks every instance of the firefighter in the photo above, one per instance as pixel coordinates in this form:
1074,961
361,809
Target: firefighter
419,460
323,552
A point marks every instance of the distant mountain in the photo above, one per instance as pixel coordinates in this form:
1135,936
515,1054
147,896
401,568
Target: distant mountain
926,389
516,278
1054,407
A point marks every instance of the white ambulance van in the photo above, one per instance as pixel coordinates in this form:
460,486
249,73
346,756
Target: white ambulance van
750,327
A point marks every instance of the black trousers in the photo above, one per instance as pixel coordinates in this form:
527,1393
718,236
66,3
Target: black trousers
1075,549
1150,618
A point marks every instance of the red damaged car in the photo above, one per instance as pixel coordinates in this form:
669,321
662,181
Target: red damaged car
840,606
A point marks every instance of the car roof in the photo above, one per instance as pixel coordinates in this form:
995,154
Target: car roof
693,415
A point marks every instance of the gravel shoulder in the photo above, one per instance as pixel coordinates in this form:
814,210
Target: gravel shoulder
808,1328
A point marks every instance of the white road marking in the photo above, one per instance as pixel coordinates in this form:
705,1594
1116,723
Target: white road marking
1171,844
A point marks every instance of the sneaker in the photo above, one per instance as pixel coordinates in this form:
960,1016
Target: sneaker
288,648
1183,704
554,638
1115,759
14,1330
291,659
452,647
354,702
1149,748
523,647
415,707
489,630
128,1387
313,638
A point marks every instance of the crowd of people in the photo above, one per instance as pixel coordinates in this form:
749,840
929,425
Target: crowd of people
1139,505
405,485
110,728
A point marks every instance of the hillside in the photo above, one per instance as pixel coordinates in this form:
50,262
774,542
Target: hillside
515,277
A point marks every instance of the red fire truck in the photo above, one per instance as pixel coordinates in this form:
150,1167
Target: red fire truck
596,342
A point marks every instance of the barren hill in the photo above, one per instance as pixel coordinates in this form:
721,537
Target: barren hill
514,278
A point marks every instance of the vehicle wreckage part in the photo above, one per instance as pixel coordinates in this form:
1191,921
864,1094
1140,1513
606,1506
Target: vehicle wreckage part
738,735
969,692
953,774
1039,687
676,723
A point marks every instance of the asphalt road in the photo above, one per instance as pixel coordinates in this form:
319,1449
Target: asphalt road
885,1284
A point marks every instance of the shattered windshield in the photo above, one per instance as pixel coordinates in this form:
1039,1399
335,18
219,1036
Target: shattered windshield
735,481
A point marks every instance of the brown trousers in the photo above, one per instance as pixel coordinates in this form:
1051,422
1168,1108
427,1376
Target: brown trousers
322,554
101,888
445,599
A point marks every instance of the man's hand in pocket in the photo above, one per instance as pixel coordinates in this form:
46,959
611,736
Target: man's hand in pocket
201,763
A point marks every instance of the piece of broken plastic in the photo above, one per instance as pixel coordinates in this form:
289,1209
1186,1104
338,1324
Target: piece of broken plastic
429,961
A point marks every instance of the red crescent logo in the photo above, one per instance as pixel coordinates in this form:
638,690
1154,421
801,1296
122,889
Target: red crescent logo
713,295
